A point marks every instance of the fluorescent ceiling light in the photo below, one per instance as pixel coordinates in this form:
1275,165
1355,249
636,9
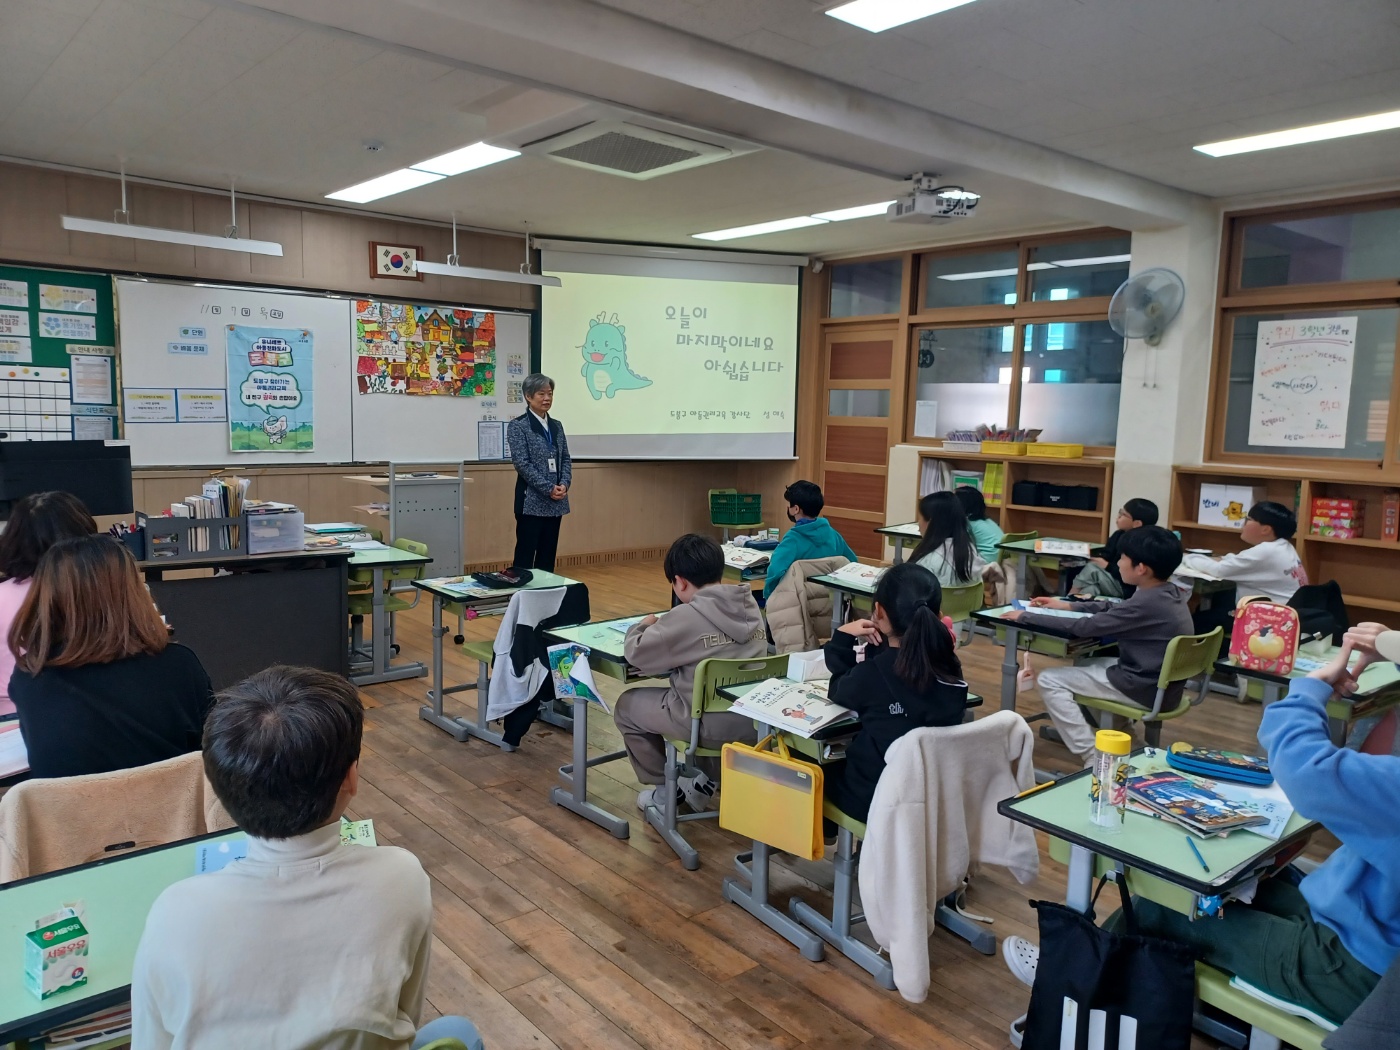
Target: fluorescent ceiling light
468,158
797,222
879,15
860,211
978,276
164,236
476,273
1096,260
1335,129
384,186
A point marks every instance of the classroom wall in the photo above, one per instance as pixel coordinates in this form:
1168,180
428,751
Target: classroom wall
618,508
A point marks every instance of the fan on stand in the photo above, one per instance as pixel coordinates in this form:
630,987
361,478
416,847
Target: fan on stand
1145,304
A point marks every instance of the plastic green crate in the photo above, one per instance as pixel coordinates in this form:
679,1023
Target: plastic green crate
736,508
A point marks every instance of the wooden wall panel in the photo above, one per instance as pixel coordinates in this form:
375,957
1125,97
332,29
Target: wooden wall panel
861,360
859,534
853,444
855,491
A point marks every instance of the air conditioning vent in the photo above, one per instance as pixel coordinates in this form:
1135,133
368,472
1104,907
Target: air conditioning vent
629,150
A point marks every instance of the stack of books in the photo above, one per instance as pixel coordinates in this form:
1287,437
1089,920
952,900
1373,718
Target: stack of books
1204,808
217,499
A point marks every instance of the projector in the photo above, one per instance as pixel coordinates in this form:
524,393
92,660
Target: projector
932,205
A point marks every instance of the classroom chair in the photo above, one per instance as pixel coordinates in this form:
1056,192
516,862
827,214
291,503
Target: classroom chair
1270,1027
710,677
1188,656
396,577
959,603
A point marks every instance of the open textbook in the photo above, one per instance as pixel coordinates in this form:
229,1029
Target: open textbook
801,708
863,576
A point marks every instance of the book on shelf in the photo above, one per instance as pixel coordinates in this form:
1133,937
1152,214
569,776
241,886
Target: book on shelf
1195,806
800,708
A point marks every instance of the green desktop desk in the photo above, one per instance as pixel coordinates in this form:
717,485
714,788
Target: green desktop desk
381,668
901,536
1377,690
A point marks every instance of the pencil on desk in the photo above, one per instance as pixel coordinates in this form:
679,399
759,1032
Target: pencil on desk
1038,787
1200,858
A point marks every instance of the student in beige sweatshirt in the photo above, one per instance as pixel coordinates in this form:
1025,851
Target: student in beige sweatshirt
305,943
713,619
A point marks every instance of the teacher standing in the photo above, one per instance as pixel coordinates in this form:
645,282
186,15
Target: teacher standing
544,471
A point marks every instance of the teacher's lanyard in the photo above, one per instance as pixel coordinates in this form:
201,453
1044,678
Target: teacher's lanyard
553,458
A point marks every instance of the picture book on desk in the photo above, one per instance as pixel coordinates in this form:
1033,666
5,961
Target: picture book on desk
573,677
860,575
800,708
1191,804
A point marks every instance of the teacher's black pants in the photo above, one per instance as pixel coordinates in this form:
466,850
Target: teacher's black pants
536,541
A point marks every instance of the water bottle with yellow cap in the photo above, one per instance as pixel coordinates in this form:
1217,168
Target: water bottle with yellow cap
1108,791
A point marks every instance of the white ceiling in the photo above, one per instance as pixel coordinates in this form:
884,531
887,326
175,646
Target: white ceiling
201,92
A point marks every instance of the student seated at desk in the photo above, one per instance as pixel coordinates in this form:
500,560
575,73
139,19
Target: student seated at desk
305,942
811,535
713,620
1324,941
1142,625
1270,566
98,684
899,670
36,523
986,533
947,549
1101,578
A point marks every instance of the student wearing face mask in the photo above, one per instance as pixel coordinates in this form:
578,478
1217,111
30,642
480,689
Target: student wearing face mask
811,535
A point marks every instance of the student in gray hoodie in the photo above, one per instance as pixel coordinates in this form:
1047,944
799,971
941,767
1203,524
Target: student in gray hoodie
714,620
1141,625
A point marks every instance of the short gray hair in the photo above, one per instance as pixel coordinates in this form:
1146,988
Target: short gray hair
535,382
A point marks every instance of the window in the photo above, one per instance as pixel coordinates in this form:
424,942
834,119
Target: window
971,279
1073,375
962,369
864,288
1354,246
1079,269
858,403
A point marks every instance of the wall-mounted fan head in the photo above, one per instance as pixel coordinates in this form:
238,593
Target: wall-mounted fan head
1145,304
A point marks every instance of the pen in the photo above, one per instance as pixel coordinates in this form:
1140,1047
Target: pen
1200,858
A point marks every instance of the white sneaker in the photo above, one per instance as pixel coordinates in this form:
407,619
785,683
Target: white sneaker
699,792
647,797
1022,957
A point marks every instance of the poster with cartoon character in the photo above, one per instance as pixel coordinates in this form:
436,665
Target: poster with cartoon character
404,348
269,389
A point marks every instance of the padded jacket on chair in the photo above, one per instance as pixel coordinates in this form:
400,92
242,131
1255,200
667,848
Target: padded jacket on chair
933,822
46,825
799,612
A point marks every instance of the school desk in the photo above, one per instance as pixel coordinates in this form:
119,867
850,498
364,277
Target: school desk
1014,636
605,657
117,894
846,595
1025,550
1377,690
465,593
906,535
377,560
284,608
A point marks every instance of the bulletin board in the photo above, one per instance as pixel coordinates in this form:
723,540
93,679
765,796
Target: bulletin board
58,360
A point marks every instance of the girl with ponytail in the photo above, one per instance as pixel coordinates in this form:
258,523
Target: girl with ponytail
899,670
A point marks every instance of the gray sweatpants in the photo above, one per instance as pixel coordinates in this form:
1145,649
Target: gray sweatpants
648,716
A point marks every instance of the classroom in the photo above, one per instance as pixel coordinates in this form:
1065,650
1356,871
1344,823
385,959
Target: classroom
699,523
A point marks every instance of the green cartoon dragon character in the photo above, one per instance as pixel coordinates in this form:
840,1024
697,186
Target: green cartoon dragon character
605,367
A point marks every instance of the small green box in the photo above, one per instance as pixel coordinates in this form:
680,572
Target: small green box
736,508
56,957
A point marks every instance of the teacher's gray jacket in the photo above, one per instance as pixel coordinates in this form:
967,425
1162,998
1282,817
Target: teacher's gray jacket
530,452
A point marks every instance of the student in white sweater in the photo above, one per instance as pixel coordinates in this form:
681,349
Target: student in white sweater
948,549
1270,566
305,944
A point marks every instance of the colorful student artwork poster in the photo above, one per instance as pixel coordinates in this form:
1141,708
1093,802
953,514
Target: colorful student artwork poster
1302,383
269,389
402,348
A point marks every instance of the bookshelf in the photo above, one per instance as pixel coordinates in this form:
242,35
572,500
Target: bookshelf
1367,568
1090,525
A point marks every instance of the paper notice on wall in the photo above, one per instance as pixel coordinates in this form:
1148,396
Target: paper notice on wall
490,439
925,419
92,428
92,380
76,327
15,349
14,293
150,405
14,322
201,405
1302,383
62,297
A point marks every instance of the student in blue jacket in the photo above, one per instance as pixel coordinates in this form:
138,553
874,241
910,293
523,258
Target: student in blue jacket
1322,942
811,535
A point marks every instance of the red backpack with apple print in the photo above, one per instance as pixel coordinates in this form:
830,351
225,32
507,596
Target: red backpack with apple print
1265,635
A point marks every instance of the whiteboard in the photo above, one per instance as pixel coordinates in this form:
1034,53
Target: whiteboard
151,316
415,428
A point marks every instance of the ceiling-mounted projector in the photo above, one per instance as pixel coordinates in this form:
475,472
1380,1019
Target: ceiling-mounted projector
932,204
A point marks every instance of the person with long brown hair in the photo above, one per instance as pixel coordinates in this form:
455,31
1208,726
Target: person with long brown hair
36,523
98,684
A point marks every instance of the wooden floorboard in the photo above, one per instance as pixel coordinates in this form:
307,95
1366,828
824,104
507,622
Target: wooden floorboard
550,933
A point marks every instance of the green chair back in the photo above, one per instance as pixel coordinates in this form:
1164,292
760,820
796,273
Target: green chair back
959,603
713,675
1189,656
1014,537
407,572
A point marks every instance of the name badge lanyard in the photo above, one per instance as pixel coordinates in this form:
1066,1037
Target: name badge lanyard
553,458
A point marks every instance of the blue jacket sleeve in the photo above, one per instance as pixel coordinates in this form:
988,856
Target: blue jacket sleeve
1348,792
539,480
784,554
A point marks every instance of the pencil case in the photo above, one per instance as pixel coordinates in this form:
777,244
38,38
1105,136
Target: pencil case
1220,765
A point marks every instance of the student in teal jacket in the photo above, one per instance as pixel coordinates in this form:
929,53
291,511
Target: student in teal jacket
811,535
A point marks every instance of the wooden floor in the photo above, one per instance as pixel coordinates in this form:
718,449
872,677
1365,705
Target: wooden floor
552,933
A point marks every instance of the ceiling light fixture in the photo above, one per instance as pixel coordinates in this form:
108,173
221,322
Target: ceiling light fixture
797,222
384,186
860,211
468,158
121,227
1097,260
452,269
1335,129
879,15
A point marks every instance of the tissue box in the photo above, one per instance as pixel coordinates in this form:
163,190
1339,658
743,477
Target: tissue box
1226,505
807,667
56,957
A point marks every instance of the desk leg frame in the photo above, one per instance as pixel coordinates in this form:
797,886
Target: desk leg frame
460,728
753,898
381,669
1010,668
575,775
